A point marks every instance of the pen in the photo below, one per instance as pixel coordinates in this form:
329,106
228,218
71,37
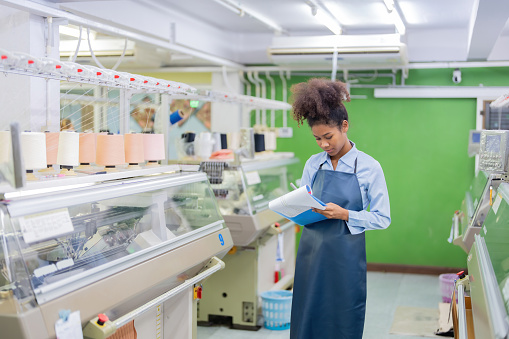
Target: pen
293,186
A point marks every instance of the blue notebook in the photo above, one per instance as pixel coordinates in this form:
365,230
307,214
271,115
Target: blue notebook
296,206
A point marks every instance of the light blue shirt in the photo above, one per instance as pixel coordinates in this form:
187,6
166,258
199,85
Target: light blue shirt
372,185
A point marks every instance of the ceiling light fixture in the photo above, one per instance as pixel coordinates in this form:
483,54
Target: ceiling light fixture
240,10
320,12
75,33
396,18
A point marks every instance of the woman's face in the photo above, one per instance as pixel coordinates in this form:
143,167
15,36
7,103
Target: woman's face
331,139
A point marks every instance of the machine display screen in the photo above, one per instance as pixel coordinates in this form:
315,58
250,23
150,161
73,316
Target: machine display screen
476,138
493,143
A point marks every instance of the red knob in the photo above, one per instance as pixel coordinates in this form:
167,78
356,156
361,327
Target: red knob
277,224
4,57
80,70
132,79
145,81
30,62
99,73
102,318
157,84
58,66
117,76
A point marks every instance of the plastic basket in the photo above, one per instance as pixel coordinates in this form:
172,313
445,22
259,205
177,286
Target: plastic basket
277,309
447,286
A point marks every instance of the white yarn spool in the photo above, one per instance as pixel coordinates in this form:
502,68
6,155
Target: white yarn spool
217,141
270,141
5,146
68,149
233,140
33,147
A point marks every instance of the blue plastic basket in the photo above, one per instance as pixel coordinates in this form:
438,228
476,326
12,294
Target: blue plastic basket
277,309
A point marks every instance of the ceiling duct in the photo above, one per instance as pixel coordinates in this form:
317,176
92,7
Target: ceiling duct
353,50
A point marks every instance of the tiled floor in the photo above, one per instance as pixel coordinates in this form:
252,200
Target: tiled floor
386,291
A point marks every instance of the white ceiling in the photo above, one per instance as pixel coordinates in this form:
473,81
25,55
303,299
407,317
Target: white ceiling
436,30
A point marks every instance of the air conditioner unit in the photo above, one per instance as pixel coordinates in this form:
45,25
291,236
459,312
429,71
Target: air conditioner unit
363,51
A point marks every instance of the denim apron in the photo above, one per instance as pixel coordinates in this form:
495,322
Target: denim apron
329,295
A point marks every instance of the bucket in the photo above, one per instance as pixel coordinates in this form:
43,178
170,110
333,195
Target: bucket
277,309
447,286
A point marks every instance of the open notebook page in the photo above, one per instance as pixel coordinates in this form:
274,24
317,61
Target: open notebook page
295,202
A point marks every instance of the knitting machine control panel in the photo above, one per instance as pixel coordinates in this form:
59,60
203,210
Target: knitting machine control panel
494,151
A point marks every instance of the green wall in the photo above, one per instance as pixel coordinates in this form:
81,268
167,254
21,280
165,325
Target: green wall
422,147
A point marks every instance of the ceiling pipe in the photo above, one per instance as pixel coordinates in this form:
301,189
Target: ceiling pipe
225,79
284,87
277,69
272,97
245,82
257,94
263,94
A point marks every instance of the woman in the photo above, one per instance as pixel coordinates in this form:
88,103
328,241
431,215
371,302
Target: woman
66,125
329,298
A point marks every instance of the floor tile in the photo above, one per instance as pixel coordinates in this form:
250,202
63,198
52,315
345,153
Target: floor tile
386,291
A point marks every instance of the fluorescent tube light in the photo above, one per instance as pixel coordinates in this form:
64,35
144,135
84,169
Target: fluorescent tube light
328,21
400,26
389,4
75,33
322,14
396,18
242,10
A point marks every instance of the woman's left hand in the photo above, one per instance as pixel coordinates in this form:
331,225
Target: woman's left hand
333,211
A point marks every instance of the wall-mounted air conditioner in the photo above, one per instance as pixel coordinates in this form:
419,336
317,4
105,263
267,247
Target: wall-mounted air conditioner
375,50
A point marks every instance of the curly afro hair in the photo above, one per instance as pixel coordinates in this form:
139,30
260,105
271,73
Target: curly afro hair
320,101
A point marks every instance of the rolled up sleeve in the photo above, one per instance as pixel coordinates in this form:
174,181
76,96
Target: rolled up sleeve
379,214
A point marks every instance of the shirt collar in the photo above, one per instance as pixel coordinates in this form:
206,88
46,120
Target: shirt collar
348,159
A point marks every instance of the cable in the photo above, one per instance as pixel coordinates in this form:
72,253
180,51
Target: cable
73,57
92,52
121,57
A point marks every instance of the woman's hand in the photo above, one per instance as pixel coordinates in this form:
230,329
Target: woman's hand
333,211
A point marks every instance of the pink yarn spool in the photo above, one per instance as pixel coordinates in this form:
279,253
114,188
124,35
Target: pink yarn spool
153,147
134,150
87,148
51,147
110,150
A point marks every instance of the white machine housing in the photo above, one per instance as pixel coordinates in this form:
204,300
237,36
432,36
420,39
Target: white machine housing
131,248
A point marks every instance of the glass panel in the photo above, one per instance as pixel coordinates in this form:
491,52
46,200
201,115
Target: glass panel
196,119
108,230
229,192
143,111
15,291
247,193
472,198
272,184
88,108
477,187
497,242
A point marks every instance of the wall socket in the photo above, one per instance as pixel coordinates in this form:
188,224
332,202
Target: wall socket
285,132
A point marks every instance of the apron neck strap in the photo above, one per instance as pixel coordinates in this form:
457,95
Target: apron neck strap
354,166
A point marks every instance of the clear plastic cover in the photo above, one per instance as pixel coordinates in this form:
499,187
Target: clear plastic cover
247,190
89,240
496,235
